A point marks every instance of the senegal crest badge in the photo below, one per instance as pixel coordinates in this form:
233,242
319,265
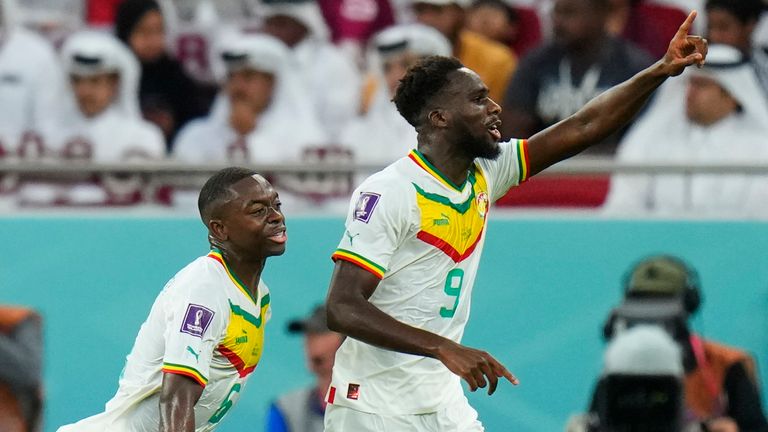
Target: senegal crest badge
483,203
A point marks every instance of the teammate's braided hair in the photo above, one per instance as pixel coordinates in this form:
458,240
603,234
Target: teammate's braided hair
422,81
744,10
217,189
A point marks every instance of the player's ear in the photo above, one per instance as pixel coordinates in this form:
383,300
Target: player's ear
217,231
438,118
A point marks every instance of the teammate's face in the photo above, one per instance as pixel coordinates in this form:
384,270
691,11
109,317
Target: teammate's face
473,116
253,223
252,87
147,40
94,93
724,28
706,102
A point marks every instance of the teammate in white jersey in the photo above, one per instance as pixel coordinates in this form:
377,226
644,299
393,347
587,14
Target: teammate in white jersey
205,332
407,262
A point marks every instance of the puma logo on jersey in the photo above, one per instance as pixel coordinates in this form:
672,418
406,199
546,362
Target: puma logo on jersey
191,351
442,221
350,236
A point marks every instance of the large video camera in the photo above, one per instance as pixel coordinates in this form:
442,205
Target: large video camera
642,391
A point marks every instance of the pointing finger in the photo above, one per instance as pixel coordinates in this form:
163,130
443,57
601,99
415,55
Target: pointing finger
685,28
502,371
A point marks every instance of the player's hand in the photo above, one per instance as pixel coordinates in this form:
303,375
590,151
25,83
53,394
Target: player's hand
477,368
684,49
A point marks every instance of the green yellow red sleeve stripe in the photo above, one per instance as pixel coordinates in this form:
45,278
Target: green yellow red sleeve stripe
522,160
186,371
365,263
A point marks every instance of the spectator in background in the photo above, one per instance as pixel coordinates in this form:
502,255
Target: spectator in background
645,23
330,77
720,385
717,114
382,135
492,61
733,22
494,19
303,410
99,121
261,114
168,97
29,83
21,375
556,79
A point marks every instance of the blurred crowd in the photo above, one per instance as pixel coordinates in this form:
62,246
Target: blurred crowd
310,81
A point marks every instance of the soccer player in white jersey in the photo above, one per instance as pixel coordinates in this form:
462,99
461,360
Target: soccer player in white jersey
205,332
407,261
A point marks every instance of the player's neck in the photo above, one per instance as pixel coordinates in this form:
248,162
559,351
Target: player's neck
452,162
248,271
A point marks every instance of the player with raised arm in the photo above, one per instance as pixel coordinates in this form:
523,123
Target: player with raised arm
205,332
407,262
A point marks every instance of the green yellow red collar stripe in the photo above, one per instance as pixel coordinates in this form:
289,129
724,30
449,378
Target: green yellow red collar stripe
216,255
186,371
522,159
422,162
365,263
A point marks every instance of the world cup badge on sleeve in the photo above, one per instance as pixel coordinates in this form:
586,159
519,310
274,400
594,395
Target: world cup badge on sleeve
366,203
196,320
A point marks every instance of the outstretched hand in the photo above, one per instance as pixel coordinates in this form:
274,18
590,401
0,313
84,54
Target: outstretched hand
684,49
477,368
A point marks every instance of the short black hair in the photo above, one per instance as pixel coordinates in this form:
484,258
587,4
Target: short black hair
423,81
217,189
744,10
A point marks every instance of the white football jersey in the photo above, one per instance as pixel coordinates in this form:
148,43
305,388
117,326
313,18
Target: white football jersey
422,235
205,325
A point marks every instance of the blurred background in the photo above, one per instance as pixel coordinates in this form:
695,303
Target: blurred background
114,112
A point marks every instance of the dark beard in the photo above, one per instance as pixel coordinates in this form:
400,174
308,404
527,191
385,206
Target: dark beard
476,147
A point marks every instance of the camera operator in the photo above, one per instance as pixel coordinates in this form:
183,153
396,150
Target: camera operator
720,383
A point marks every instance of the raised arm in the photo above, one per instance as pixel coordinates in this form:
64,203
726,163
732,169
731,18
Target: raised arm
178,397
350,313
611,110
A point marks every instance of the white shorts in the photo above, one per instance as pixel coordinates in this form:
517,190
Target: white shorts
459,417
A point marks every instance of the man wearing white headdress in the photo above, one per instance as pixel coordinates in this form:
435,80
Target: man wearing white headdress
718,114
260,116
98,121
329,75
382,135
29,83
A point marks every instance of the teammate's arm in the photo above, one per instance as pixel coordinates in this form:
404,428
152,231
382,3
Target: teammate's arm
609,111
350,312
178,397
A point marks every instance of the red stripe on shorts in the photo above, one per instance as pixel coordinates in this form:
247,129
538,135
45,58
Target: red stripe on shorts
331,394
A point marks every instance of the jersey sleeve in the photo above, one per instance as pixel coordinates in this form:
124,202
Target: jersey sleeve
377,222
195,322
509,169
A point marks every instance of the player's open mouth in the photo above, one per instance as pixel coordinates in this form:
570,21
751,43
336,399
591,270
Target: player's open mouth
279,237
493,130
